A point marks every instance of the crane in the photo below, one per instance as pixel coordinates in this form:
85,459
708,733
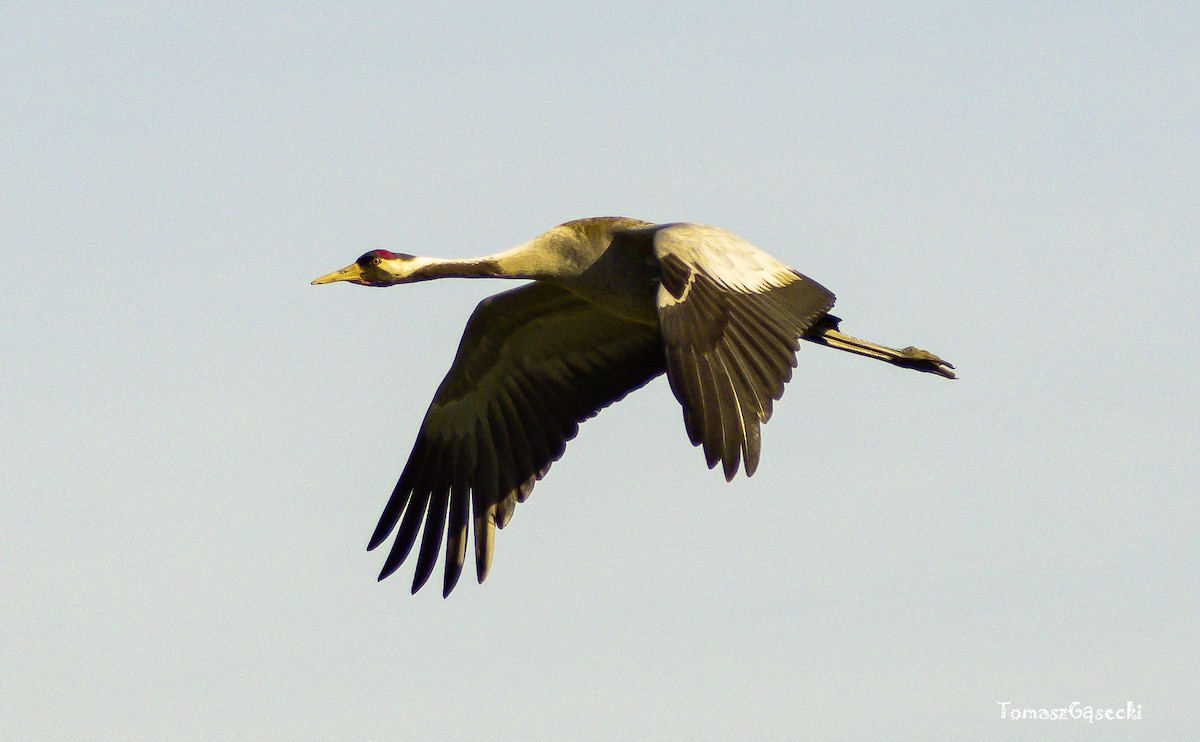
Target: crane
614,302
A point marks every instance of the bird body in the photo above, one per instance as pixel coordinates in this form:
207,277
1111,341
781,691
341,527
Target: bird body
615,302
611,265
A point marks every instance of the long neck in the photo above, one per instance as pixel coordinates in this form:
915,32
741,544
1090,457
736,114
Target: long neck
430,268
531,260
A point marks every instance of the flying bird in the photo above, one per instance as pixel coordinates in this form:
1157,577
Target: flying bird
614,303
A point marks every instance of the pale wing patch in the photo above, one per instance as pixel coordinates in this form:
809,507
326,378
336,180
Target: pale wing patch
728,259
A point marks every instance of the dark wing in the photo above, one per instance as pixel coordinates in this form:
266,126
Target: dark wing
533,363
730,317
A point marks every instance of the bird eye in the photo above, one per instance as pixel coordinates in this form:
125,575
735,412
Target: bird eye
376,261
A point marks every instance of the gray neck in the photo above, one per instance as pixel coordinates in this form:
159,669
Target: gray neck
562,253
472,268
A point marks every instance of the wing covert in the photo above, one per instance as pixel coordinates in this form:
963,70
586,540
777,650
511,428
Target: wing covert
730,317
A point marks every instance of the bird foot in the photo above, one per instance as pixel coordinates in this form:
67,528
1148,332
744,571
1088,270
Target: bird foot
826,333
922,360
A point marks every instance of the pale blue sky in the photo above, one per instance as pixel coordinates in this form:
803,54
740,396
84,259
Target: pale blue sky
198,443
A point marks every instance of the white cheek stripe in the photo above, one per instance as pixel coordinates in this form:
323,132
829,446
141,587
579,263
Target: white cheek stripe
406,267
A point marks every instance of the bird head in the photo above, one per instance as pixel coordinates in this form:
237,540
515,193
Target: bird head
376,268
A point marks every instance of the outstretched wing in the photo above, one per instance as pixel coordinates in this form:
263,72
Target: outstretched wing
533,363
730,316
